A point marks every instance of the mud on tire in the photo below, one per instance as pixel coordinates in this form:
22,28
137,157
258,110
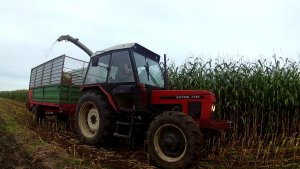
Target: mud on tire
174,140
93,118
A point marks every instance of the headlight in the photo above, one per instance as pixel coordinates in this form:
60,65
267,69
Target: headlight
213,108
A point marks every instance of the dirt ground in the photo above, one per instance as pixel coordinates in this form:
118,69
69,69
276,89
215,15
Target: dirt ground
24,144
117,155
59,147
12,155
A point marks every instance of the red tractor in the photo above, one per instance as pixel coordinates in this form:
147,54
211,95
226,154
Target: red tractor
123,92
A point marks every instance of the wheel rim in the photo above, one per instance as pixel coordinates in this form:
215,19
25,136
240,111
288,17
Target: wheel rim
89,120
170,143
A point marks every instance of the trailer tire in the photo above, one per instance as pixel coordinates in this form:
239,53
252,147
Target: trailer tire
174,140
38,114
93,118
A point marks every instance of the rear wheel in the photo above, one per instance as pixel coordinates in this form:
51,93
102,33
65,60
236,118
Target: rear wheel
174,140
93,118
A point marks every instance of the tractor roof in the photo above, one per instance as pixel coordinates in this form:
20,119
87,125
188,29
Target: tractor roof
136,46
117,47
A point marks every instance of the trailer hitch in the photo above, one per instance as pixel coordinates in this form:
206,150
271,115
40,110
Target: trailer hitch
76,42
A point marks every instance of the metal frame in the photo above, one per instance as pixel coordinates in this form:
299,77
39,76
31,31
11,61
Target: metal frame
38,77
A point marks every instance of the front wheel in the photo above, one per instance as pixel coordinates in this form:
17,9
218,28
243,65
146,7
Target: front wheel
174,140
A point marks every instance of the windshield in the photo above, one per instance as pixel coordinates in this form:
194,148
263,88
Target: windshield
149,71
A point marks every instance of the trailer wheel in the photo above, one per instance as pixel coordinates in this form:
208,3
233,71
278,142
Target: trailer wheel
93,118
38,114
174,140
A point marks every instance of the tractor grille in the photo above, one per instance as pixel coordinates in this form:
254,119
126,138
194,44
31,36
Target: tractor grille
194,109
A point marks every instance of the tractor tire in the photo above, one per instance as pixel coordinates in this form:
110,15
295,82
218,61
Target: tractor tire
93,118
174,140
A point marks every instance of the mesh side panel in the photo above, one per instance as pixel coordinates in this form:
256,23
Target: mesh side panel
60,70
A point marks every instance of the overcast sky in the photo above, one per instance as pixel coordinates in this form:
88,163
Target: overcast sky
210,29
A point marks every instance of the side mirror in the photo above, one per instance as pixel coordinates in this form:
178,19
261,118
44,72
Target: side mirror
95,61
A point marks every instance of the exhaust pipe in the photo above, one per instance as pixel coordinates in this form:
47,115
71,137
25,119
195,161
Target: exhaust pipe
166,78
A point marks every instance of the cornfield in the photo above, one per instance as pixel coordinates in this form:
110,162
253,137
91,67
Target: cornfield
259,98
19,95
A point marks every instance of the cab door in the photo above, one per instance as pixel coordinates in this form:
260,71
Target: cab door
121,80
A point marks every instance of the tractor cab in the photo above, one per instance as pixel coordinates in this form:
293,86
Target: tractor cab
125,71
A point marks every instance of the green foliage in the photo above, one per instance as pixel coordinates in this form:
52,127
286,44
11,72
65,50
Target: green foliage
19,95
260,98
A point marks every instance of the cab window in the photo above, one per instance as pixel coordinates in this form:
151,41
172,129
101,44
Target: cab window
97,72
149,71
121,69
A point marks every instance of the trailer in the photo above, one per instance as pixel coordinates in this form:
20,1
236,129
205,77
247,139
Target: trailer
55,86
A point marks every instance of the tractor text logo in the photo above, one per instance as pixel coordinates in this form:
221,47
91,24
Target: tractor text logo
183,97
189,97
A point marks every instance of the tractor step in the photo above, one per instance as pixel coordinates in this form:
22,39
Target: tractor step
128,123
139,124
130,111
125,129
121,135
123,123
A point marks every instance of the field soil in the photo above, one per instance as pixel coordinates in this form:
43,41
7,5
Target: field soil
53,144
24,144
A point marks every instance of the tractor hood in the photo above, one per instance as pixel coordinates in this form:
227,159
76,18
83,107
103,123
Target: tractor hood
178,96
198,104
